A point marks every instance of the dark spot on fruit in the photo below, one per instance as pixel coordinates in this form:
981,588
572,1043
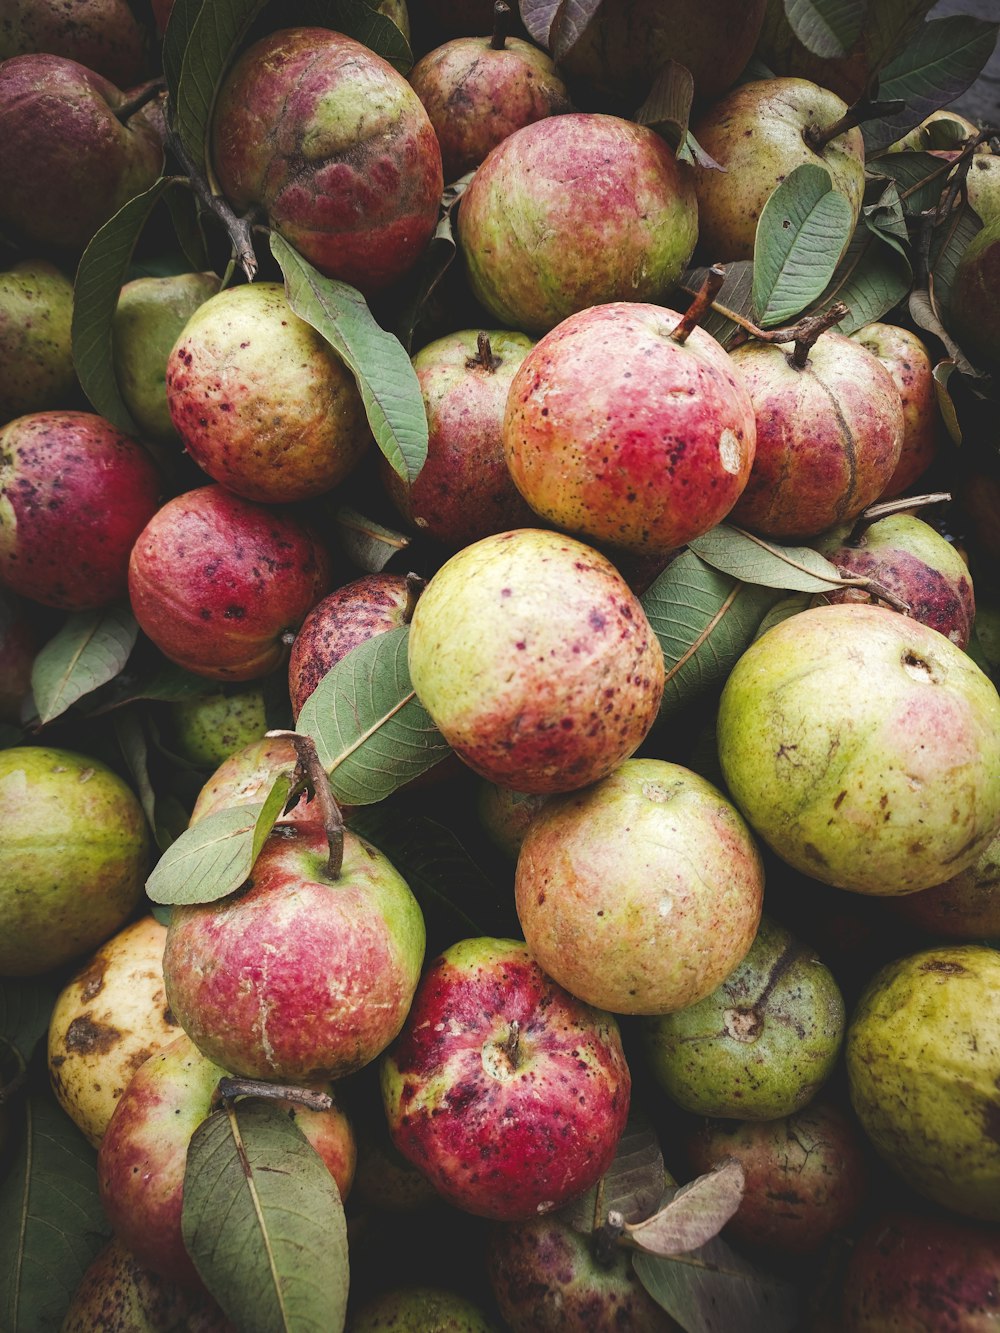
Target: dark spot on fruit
991,1121
234,612
84,1035
839,800
939,965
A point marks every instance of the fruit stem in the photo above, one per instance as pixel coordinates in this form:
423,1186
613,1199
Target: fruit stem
606,1238
879,592
310,769
698,308
146,93
863,109
239,229
484,356
808,331
229,1089
512,1046
901,505
501,26
414,587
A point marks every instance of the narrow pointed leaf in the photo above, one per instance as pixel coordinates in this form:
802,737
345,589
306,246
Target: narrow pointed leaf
923,312
757,560
734,297
53,1222
368,545
215,33
668,105
827,28
378,361
704,620
696,1213
632,1185
371,731
175,41
264,1223
210,860
99,279
89,650
802,231
25,1007
942,373
167,684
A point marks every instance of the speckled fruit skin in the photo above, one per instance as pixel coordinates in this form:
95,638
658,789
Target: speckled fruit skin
464,490
36,360
420,1310
74,495
346,617
68,164
215,581
864,748
247,776
536,661
509,1094
756,133
261,401
208,728
298,976
923,1058
908,361
476,96
142,1157
806,1176
338,150
908,557
619,434
109,1018
973,311
641,893
574,211
762,1044
908,1273
74,850
104,35
545,1279
965,907
829,435
118,1295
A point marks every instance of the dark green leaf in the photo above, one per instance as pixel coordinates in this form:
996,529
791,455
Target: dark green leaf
367,544
89,650
870,279
378,361
572,19
169,684
214,35
758,560
827,28
25,1007
99,279
950,242
694,1215
943,372
424,277
668,105
632,1185
366,25
53,1223
783,610
889,27
175,41
919,177
185,214
735,297
208,861
885,218
944,59
371,731
264,1223
801,233
704,621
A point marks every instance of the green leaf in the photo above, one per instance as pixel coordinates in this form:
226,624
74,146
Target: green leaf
368,545
372,733
889,27
801,233
25,1007
757,560
919,177
422,281
694,1215
631,1186
668,106
99,279
943,60
175,41
704,621
827,28
53,1222
264,1223
215,33
90,649
950,242
885,218
185,214
212,859
783,610
378,361
363,22
871,279
734,297
168,684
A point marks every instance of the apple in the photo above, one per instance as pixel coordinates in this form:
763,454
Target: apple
641,893
18,644
536,661
864,748
247,776
574,211
36,360
759,133
75,493
261,401
464,490
829,434
216,582
625,427
108,1019
68,163
104,35
303,974
143,1154
335,146
73,857
509,1094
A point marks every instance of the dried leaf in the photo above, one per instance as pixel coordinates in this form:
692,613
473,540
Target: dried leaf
696,1213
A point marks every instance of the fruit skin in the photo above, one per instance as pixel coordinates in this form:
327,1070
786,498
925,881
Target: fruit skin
756,133
261,401
965,907
36,360
298,976
877,789
574,211
983,185
536,661
215,581
109,1018
209,728
336,147
247,776
620,434
68,164
420,1310
908,361
73,856
762,1044
829,435
509,1094
103,35
74,495
922,1054
505,815
973,312
641,893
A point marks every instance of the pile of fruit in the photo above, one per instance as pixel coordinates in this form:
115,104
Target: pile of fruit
499,632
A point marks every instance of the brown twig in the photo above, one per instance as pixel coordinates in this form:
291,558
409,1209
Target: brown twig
698,308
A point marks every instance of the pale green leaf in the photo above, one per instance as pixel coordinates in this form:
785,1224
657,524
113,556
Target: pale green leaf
211,859
885,217
801,233
89,650
743,555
